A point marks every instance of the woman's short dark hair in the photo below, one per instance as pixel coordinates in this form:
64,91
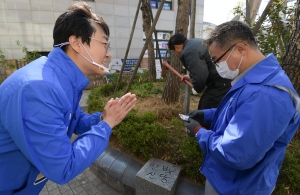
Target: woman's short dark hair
176,39
229,33
78,21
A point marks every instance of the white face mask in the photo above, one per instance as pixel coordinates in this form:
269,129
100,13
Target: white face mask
106,70
225,72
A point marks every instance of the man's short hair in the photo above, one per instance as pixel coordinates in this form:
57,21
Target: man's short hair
229,33
176,39
78,20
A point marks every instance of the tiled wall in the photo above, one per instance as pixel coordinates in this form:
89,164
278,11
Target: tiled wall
31,22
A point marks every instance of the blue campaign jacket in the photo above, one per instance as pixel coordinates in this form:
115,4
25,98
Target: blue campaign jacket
251,129
39,112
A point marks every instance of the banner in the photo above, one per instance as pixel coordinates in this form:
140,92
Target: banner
116,64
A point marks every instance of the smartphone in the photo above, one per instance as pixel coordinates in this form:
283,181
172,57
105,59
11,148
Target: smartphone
184,117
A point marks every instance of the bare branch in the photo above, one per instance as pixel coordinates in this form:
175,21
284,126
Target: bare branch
262,17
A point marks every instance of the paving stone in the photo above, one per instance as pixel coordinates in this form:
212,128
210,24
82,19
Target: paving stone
74,183
51,186
64,188
68,192
92,177
96,182
54,191
78,189
43,193
87,186
83,181
91,191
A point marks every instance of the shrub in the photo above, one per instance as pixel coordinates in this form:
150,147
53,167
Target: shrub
145,136
191,158
29,56
142,135
289,175
145,89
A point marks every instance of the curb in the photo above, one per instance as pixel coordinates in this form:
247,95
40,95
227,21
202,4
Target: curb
119,171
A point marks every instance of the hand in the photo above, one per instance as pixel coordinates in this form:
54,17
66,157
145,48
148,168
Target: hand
185,78
194,92
116,109
192,127
197,115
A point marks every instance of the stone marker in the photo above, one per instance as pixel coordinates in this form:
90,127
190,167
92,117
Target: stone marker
157,177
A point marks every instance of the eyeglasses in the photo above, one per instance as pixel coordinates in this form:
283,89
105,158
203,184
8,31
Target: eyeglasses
217,60
106,44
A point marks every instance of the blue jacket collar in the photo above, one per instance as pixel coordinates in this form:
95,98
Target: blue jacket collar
261,71
69,68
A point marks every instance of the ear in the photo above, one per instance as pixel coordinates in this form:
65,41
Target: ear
75,43
179,48
242,48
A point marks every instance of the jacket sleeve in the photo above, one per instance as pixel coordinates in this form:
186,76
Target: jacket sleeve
39,131
208,114
197,67
85,121
250,132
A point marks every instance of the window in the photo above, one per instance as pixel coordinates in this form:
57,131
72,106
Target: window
155,4
162,38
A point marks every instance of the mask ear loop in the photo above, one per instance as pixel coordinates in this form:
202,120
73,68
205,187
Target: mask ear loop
93,62
230,53
240,62
61,44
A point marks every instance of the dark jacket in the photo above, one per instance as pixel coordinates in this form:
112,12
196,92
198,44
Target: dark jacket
197,60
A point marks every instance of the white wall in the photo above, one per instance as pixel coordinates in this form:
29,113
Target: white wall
32,21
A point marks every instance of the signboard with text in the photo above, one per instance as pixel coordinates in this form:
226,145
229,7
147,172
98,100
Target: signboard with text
116,64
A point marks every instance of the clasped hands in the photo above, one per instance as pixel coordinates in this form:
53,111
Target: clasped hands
116,109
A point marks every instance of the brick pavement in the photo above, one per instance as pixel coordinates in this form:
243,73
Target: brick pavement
86,183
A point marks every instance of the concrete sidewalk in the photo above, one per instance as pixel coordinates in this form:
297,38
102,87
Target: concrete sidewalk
86,183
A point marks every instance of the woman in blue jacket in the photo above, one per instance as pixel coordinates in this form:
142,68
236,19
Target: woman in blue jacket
39,108
254,122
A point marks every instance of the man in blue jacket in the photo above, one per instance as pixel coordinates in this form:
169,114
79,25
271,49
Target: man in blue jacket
255,121
39,108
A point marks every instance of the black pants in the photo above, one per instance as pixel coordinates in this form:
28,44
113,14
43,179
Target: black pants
213,95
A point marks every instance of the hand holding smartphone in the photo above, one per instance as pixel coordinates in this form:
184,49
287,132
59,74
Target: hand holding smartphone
184,117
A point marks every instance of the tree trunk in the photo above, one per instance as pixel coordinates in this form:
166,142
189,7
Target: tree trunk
172,87
146,12
291,61
252,7
192,35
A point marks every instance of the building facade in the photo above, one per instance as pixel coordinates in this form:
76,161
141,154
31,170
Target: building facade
31,23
